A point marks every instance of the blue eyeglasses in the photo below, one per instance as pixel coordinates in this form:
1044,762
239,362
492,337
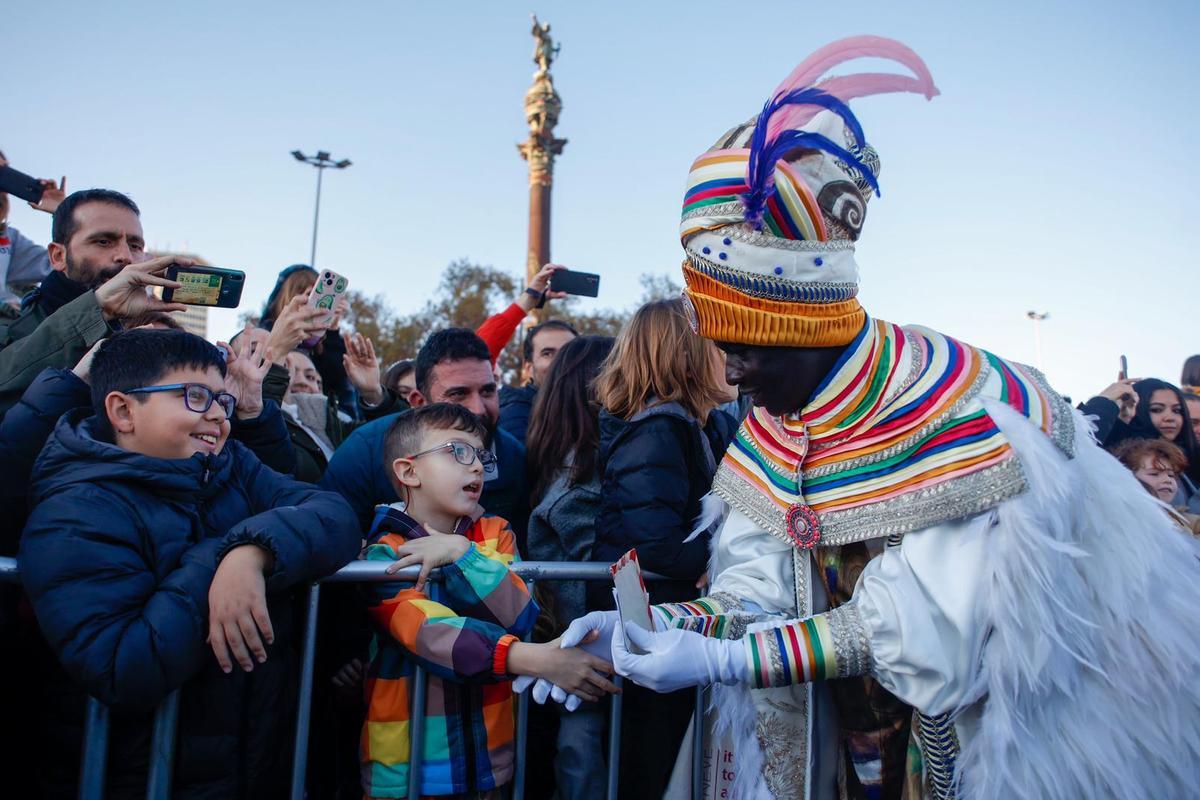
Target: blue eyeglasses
196,396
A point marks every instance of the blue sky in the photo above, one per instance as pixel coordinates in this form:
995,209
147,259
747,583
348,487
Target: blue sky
1055,172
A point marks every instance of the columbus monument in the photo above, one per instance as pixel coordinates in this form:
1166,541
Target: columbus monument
542,107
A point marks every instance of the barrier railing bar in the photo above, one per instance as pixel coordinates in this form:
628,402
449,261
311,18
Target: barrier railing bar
96,731
162,748
308,649
698,738
416,737
518,792
95,751
614,738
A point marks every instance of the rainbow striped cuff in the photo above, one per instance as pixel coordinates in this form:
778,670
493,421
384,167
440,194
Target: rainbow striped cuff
670,614
830,645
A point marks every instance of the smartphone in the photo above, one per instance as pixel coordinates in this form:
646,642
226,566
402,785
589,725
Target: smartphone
633,601
328,288
585,284
205,286
18,184
1124,373
325,292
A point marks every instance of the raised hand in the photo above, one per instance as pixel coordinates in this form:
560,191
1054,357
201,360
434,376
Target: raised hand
246,365
296,323
125,295
538,289
52,194
362,368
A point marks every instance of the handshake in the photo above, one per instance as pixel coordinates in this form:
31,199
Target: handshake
670,659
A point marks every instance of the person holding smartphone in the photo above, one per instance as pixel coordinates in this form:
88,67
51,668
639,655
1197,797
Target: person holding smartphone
23,262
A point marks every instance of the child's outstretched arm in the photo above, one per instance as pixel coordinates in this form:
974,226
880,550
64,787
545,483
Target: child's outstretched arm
453,647
573,669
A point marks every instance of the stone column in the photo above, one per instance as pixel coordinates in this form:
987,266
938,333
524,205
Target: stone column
542,107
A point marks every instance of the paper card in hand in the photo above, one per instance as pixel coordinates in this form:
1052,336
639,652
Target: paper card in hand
633,602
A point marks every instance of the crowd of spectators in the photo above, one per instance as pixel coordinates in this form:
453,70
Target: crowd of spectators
167,497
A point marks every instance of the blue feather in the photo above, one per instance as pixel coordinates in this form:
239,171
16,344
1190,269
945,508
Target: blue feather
764,155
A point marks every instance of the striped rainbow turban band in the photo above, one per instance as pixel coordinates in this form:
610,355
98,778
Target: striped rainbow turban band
772,211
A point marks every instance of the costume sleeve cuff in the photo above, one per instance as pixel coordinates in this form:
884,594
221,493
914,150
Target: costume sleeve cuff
827,646
500,656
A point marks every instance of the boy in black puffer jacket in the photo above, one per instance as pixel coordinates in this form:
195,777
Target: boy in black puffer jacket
156,544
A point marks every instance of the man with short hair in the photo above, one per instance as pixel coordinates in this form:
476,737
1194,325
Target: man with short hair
541,345
99,276
453,366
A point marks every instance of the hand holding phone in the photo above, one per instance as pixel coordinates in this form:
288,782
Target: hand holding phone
18,184
329,288
584,284
205,286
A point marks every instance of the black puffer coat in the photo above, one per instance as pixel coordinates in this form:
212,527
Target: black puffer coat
655,468
118,556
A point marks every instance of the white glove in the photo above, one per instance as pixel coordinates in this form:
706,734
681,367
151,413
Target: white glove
605,622
522,682
544,688
676,659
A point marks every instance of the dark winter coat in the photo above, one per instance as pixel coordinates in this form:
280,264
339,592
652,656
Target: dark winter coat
118,556
516,405
655,468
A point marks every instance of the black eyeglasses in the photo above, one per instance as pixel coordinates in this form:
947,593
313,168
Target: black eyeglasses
196,396
464,453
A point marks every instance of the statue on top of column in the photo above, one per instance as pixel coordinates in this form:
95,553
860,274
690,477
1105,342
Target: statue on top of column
544,48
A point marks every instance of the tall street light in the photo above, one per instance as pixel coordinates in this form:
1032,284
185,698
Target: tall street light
322,161
1038,319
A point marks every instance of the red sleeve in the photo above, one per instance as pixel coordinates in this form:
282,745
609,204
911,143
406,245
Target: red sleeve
497,330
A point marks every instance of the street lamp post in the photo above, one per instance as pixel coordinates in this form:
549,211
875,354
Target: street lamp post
322,161
1038,319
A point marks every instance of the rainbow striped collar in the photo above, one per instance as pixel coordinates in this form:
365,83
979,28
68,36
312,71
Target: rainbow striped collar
896,439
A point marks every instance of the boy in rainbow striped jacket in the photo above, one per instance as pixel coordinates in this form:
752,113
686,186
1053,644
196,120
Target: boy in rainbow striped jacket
464,631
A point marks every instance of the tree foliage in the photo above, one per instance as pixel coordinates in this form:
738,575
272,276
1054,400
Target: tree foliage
466,295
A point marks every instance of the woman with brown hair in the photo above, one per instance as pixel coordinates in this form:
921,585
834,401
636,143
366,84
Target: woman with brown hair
661,438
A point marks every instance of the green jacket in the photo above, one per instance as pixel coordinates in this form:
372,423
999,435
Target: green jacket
36,340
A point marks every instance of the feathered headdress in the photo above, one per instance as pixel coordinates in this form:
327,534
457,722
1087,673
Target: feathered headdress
771,212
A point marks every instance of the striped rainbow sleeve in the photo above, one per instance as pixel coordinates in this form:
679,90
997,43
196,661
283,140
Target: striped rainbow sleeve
822,647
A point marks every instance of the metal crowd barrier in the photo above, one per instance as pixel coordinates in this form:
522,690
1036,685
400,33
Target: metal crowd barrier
166,716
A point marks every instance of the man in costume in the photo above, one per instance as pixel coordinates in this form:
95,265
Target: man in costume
931,582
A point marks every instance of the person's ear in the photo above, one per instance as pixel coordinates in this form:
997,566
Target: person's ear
405,470
526,372
118,407
416,399
58,256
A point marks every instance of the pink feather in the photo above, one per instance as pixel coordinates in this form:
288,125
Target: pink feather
831,55
846,88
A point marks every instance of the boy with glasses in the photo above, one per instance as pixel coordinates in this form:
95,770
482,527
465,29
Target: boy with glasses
464,630
156,543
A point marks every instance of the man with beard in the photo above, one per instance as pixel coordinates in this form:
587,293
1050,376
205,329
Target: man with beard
99,276
453,366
